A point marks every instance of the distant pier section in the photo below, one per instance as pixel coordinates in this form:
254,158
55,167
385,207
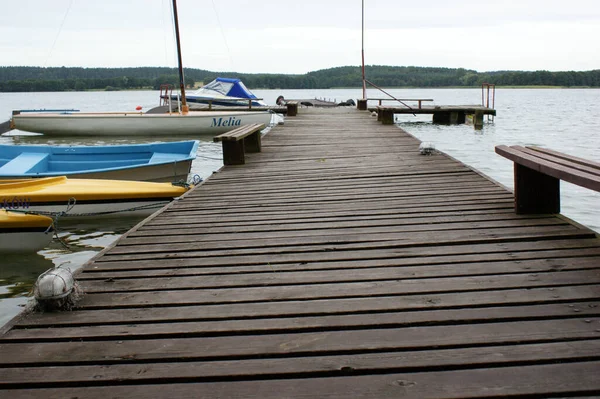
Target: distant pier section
443,114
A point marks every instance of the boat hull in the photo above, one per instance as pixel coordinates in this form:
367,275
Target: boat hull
84,198
160,162
20,232
201,123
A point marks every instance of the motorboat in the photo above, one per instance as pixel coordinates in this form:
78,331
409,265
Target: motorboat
225,92
170,161
83,198
24,232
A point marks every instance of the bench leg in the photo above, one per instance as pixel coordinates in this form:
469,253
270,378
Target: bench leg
252,142
233,153
292,110
535,192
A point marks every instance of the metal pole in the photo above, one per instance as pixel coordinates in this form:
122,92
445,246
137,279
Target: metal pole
184,107
364,84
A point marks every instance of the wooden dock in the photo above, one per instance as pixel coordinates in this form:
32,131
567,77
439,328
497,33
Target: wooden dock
336,263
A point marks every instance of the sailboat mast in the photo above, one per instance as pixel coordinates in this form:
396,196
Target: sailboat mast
184,106
364,84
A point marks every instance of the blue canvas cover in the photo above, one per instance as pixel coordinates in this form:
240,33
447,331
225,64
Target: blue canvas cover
224,91
230,87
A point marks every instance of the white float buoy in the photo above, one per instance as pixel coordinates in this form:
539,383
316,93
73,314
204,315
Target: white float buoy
56,289
426,148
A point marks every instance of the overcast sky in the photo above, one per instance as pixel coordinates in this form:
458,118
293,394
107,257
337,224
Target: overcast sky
299,36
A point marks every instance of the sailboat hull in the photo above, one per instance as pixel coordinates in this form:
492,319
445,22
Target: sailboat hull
205,123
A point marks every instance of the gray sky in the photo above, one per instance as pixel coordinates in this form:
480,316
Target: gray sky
279,36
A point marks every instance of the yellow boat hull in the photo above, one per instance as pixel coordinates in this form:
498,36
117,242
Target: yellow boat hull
85,196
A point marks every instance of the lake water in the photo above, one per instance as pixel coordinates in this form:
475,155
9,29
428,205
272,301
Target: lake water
567,120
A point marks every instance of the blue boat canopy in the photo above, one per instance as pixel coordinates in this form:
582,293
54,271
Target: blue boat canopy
223,91
229,87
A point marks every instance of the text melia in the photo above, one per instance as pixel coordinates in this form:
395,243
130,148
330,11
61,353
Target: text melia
226,122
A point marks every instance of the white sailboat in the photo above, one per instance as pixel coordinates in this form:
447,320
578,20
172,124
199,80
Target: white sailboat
195,123
184,122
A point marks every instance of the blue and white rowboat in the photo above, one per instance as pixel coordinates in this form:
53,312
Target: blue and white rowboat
160,162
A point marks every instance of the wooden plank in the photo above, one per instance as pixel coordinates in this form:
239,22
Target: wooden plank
569,379
480,357
478,264
99,313
239,133
563,159
312,249
466,251
191,290
313,343
247,326
267,277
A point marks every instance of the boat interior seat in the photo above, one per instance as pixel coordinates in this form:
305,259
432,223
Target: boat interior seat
23,163
160,157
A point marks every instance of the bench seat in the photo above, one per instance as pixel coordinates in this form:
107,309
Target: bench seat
238,141
23,163
538,172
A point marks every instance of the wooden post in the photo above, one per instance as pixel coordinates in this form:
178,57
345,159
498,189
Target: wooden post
361,104
292,108
387,116
453,118
478,119
535,192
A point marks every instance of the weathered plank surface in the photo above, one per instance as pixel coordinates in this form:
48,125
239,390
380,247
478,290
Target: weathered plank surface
336,263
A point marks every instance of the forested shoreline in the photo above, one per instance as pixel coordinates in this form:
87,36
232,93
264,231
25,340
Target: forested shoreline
30,79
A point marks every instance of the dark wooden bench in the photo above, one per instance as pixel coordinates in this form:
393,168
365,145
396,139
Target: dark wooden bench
538,172
238,141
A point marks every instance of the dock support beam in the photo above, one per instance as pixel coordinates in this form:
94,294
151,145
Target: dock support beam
361,104
449,118
535,192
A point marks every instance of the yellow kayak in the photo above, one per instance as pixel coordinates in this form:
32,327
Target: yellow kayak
85,196
21,232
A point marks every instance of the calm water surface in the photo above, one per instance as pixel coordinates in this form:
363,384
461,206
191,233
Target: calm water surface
562,119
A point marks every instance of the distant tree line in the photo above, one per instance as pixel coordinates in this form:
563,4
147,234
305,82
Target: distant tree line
28,79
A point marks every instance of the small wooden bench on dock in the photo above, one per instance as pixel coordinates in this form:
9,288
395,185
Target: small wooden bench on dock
238,141
538,172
